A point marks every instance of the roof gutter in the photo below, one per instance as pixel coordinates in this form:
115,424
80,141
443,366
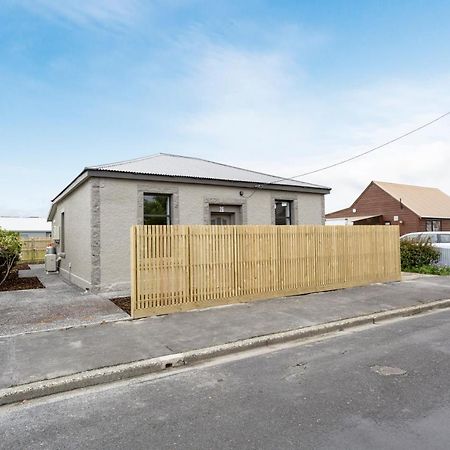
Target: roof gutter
208,181
77,181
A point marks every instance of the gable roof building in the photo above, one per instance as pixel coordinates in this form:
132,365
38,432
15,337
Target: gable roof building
92,216
426,202
413,208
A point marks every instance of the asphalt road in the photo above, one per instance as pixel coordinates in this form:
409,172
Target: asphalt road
384,387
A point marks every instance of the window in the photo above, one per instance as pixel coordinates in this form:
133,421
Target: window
433,225
157,209
283,213
62,243
444,238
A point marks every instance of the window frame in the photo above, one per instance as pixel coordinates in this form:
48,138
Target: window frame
62,234
430,225
289,218
168,215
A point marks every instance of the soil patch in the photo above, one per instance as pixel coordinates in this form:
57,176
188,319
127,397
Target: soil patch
14,283
123,303
22,266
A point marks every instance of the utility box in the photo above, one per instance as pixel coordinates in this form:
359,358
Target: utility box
56,232
51,259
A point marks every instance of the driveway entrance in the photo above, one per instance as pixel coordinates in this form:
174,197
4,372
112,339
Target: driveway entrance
59,305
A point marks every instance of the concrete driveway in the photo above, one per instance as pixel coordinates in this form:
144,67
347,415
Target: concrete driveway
59,305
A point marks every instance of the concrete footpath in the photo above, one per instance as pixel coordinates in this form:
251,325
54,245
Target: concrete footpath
59,305
33,357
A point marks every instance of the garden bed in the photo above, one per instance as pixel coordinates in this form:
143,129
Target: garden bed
15,283
123,303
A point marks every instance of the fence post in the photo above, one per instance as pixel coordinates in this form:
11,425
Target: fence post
235,262
190,292
133,266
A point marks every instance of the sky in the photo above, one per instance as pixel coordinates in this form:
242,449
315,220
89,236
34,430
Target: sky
283,87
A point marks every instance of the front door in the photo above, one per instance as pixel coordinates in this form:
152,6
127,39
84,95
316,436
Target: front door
222,218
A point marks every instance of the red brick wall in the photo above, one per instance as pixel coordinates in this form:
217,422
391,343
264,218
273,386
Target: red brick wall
445,225
374,201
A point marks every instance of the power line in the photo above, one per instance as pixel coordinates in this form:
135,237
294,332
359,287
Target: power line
355,156
364,153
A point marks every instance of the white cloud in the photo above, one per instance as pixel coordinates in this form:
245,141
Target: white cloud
259,110
109,13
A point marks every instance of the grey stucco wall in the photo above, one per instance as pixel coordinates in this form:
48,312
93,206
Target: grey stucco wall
310,209
75,263
121,206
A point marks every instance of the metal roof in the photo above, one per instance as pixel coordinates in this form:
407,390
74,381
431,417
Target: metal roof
22,224
166,164
426,202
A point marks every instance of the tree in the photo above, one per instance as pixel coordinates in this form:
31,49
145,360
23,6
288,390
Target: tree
10,247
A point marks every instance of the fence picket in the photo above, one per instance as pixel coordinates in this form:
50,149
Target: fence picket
33,250
181,267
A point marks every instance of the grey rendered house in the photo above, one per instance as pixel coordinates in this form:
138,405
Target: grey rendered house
92,216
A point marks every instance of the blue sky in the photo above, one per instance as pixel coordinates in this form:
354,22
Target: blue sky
277,86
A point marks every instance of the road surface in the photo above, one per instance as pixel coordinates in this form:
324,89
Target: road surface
383,387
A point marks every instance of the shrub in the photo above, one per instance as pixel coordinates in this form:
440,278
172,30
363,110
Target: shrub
417,253
10,247
431,270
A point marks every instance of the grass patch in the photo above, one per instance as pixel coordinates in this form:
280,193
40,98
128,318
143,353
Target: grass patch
429,270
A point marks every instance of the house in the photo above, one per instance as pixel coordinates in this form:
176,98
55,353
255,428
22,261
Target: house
27,227
413,208
92,216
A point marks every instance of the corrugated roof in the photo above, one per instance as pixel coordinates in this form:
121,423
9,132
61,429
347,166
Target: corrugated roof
424,201
22,224
166,164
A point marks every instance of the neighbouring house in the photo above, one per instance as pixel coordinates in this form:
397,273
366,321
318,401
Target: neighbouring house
413,208
93,215
27,227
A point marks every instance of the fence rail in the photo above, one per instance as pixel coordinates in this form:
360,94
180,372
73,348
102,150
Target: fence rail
33,250
176,268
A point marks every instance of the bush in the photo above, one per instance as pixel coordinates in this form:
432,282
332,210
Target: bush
431,270
10,247
417,253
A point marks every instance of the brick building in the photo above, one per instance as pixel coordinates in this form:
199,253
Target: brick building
413,208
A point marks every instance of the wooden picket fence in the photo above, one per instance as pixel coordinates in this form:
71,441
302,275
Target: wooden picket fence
177,267
33,250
